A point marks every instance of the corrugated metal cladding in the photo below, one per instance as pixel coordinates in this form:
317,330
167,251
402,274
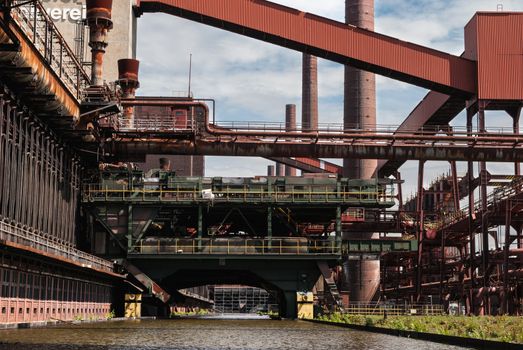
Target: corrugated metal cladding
295,29
498,38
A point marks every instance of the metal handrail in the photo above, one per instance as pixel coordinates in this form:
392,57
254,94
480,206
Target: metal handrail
35,240
96,191
238,246
496,196
41,31
379,128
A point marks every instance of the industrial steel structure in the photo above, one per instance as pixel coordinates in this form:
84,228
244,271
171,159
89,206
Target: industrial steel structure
80,225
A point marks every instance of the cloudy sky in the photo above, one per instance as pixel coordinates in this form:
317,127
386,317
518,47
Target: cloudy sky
252,80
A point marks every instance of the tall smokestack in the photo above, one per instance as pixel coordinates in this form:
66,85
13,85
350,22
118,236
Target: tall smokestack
128,80
310,93
290,125
99,22
280,169
360,91
360,112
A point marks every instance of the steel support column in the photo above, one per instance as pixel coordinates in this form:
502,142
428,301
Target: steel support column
505,304
484,216
420,229
471,229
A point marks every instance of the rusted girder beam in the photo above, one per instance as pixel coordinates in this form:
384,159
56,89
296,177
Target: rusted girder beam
134,149
328,39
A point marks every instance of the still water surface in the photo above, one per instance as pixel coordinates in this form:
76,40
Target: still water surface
204,334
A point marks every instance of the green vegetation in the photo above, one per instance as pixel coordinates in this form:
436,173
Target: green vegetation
110,315
502,328
199,312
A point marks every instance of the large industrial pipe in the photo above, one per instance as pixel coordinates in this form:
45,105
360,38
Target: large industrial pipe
290,126
128,80
99,22
310,93
360,113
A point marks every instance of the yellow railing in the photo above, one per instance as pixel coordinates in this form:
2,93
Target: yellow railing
97,193
239,246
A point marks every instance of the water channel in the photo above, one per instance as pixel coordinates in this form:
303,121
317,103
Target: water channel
204,334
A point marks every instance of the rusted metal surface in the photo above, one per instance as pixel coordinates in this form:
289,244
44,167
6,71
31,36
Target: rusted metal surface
290,124
154,288
309,107
99,22
31,157
271,171
328,39
360,110
128,80
54,70
360,91
435,109
135,148
99,9
128,69
310,165
495,40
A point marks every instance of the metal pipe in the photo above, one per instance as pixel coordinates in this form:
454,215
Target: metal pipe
99,21
128,79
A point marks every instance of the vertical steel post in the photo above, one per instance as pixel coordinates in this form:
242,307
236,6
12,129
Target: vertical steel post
484,215
472,238
2,152
269,227
338,223
130,228
420,229
200,227
506,253
455,186
516,117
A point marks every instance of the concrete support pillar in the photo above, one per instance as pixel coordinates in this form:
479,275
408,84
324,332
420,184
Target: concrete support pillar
271,170
289,309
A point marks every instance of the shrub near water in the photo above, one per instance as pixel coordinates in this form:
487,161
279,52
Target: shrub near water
504,328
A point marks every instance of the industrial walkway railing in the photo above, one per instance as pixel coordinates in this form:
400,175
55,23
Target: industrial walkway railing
498,195
100,193
31,239
239,246
379,309
32,18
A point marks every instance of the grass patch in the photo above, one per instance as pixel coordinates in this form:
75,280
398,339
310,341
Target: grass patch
503,328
